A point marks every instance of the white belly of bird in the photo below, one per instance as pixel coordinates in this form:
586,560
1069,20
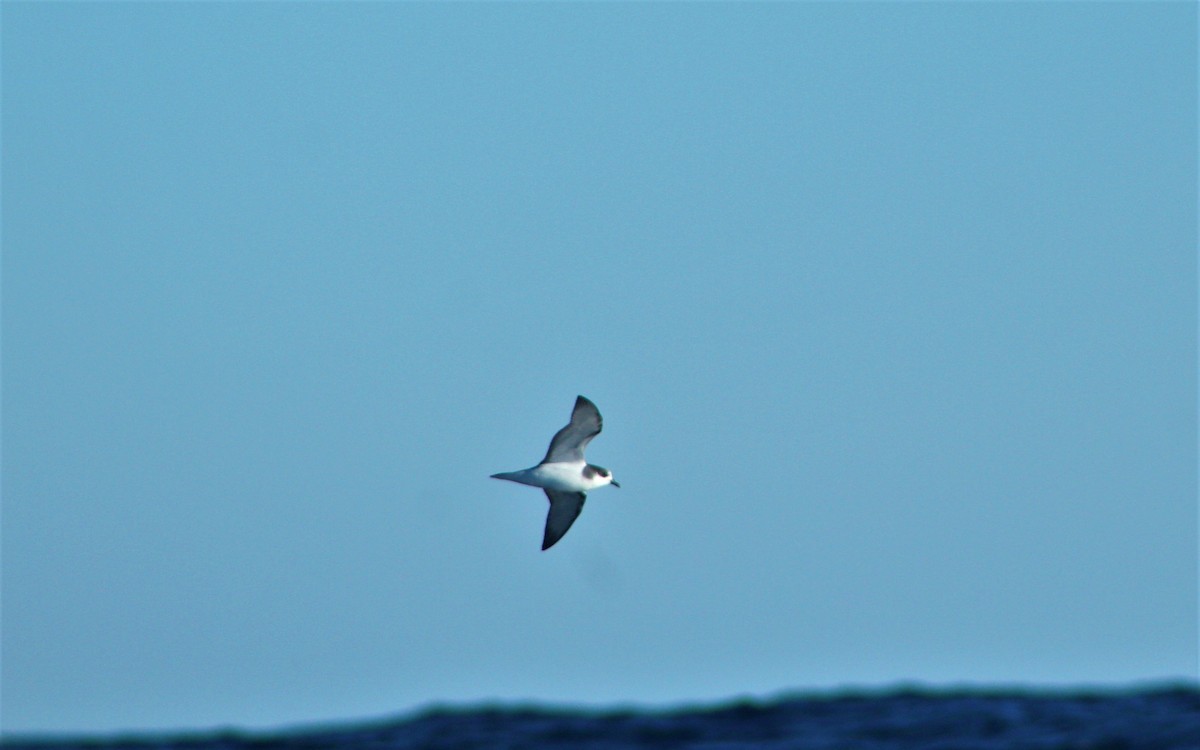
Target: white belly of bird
567,477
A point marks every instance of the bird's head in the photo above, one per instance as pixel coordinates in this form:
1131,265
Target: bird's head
600,475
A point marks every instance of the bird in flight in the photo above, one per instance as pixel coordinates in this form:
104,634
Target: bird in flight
563,474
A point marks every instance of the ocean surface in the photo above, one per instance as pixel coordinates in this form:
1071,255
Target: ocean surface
1165,718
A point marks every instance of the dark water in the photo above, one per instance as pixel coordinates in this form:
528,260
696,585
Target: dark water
1158,719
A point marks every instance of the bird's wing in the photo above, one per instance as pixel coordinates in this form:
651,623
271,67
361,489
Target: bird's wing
564,509
569,442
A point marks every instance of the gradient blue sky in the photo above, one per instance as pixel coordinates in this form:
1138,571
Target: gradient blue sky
890,310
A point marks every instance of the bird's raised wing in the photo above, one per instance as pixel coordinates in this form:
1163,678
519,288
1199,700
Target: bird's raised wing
564,509
569,442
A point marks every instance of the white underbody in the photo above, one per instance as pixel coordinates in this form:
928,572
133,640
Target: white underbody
565,476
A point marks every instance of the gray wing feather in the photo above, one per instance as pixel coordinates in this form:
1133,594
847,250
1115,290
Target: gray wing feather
564,509
569,442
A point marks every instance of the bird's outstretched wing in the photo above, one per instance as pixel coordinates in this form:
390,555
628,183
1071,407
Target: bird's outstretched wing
569,442
564,509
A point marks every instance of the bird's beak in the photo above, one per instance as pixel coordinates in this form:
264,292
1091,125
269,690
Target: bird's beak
614,484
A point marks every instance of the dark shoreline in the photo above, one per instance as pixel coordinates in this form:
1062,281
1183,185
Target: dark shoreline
1155,717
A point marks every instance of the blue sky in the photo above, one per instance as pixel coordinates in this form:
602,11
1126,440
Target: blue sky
890,310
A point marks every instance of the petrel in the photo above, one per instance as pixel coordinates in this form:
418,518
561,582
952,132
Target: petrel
563,474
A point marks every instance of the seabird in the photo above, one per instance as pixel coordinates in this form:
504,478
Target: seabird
563,474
